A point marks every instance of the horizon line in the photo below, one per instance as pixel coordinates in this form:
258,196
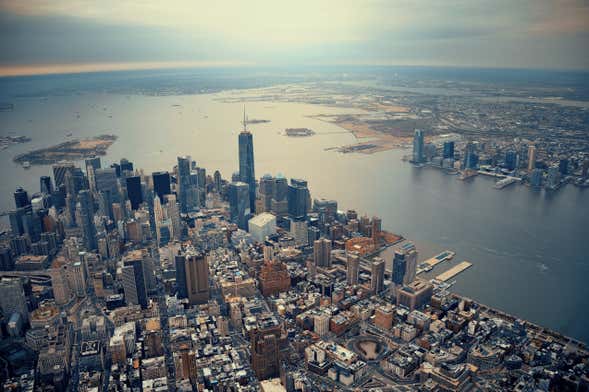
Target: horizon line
8,71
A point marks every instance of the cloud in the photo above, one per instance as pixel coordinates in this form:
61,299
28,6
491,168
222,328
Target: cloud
526,33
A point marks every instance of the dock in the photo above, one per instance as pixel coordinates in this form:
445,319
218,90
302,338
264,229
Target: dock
452,272
429,264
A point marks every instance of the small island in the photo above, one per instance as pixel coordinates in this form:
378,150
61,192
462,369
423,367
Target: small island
257,121
72,150
298,132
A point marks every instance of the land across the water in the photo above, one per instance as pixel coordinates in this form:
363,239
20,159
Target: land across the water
71,150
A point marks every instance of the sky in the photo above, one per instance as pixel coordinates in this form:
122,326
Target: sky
47,36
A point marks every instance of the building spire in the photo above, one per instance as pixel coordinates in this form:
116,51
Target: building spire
244,120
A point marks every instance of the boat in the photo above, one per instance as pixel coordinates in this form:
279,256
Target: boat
504,182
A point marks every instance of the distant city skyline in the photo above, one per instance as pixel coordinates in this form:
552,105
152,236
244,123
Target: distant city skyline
40,37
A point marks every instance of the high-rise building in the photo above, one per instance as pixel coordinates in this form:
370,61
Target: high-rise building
21,198
399,267
265,341
377,277
75,181
448,150
511,160
134,280
180,263
266,193
471,159
410,257
563,166
45,185
322,253
299,199
217,180
59,170
134,191
197,277
161,184
418,147
86,214
184,182
327,210
553,178
531,158
536,178
246,163
6,259
92,164
12,298
239,203
126,165
107,181
352,268
299,230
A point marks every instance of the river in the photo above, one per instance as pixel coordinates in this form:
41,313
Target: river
529,249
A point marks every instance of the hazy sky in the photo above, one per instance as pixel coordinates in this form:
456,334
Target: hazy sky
53,35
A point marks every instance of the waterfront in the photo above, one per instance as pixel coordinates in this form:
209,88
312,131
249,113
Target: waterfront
527,248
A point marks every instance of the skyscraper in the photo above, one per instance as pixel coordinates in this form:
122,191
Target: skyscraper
299,199
418,147
161,184
322,252
197,277
21,198
92,164
46,187
510,159
352,268
86,214
106,181
180,262
218,180
134,280
246,163
126,165
12,298
531,158
265,346
471,159
239,203
184,182
377,278
410,254
59,170
448,150
399,267
134,191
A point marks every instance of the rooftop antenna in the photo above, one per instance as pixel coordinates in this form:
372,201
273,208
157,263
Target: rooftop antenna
244,120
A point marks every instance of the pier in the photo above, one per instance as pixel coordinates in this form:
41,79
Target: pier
429,264
452,272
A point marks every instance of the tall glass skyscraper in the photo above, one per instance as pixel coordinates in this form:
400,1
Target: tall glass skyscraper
161,184
134,191
239,206
246,163
418,152
184,182
86,214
